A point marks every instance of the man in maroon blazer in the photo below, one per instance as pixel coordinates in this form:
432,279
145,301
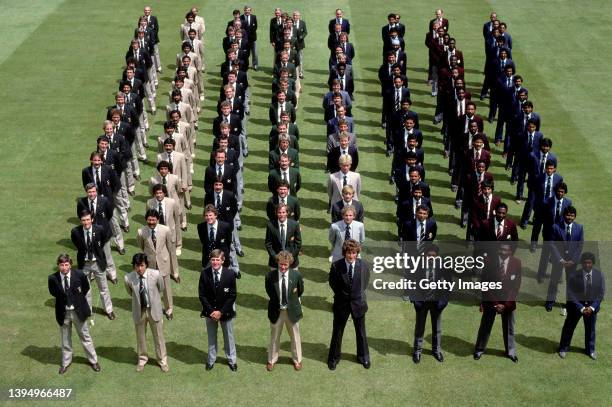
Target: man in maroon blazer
499,228
482,209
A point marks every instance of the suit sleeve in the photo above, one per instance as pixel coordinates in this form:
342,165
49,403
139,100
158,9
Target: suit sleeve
269,237
207,309
128,286
54,290
228,306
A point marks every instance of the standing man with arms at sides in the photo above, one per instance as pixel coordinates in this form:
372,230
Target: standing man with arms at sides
505,269
348,278
146,286
249,22
158,244
585,292
217,292
283,234
89,240
154,25
284,288
299,26
69,287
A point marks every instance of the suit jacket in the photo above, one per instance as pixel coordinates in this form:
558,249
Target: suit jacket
179,166
98,239
222,298
510,282
346,25
301,33
535,168
488,232
389,99
273,112
336,210
109,181
410,230
295,180
161,256
406,209
172,211
540,188
332,125
576,290
334,155
237,106
273,241
251,27
328,99
290,69
349,83
337,232
275,28
405,187
333,140
229,205
549,215
128,114
79,286
274,156
386,29
479,210
420,295
565,249
223,240
154,286
295,289
293,206
349,299
335,183
102,215
173,185
229,178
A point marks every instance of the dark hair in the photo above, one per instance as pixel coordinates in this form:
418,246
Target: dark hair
64,258
500,206
587,256
164,164
159,187
84,212
570,209
140,258
152,212
561,185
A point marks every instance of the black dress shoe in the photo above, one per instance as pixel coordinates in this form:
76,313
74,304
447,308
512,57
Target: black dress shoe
111,315
593,355
209,366
240,253
549,306
331,365
63,369
233,367
477,356
169,316
121,252
95,367
239,227
513,358
238,275
416,357
439,357
367,364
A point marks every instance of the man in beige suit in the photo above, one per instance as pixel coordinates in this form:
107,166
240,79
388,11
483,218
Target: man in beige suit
157,242
339,179
169,214
173,186
145,285
181,145
179,168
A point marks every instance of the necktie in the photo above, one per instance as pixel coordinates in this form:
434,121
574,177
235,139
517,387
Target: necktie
350,274
249,20
500,231
543,162
343,152
170,158
284,292
588,290
487,200
153,238
502,268
142,44
143,295
568,233
397,100
66,289
216,275
211,239
530,141
160,209
283,175
422,234
432,275
164,180
344,181
477,155
89,245
283,236
548,186
282,201
136,57
509,82
219,172
558,211
347,232
92,208
97,177
218,201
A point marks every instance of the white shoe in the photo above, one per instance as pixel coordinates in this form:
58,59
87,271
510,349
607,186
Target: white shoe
330,258
159,69
178,252
563,312
201,98
192,156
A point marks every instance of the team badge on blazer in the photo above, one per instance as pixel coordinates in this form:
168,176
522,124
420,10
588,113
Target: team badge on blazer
226,290
295,290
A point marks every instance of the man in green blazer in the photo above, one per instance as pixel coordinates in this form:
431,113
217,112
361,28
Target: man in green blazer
283,234
284,286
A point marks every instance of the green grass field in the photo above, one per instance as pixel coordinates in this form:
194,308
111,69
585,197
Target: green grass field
59,66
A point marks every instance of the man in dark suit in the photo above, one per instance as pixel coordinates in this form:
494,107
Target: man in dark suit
407,209
276,26
128,114
348,279
345,25
89,240
282,197
284,288
567,241
69,287
345,78
217,292
347,200
281,105
222,170
505,270
430,299
227,117
551,214
283,148
541,189
482,209
227,211
343,149
416,232
287,173
499,228
526,143
585,292
283,234
299,26
249,23
214,234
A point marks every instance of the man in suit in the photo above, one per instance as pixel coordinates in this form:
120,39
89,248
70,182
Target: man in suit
227,211
585,292
348,279
146,285
173,186
347,200
299,26
406,209
249,23
526,143
284,288
283,234
567,241
215,234
285,173
345,25
178,165
70,287
222,170
217,292
552,214
333,125
340,179
282,197
158,244
419,230
328,99
89,240
440,19
482,209
499,228
276,27
343,230
169,213
283,148
153,25
343,149
428,298
541,188
281,105
505,270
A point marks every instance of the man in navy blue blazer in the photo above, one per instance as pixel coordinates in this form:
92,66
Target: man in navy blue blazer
541,186
420,230
344,23
585,292
566,249
551,214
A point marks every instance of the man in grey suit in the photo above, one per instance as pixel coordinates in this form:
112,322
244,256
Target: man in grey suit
345,229
69,288
339,179
145,286
157,242
217,292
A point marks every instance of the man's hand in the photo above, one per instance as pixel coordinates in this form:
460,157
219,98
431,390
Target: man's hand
215,315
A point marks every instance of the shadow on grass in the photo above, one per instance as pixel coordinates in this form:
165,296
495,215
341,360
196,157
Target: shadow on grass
252,301
48,356
386,346
537,343
315,274
252,354
315,302
186,353
190,303
118,354
457,346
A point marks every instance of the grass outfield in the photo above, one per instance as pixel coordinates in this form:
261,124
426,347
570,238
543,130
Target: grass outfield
59,65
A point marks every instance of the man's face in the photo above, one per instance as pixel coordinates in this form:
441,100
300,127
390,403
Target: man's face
191,35
223,143
285,119
550,169
86,221
417,194
92,193
477,144
527,109
471,110
439,13
147,11
414,177
348,217
163,171
281,214
120,100
130,74
176,98
175,117
96,161
412,143
127,89
347,196
409,123
283,267
169,131
281,97
338,13
108,129
216,262
229,93
277,13
504,251
500,214
473,127
481,167
461,94
531,127
284,163
140,268
569,217
248,11
340,111
397,82
210,217
487,191
421,215
64,267
151,222
391,58
350,255
587,265
283,144
344,142
518,82
343,127
103,145
560,193
218,186
345,168
220,158
226,110
159,195
282,191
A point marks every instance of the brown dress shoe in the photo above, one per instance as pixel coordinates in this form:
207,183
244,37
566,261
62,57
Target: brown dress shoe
269,366
96,367
63,369
297,366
